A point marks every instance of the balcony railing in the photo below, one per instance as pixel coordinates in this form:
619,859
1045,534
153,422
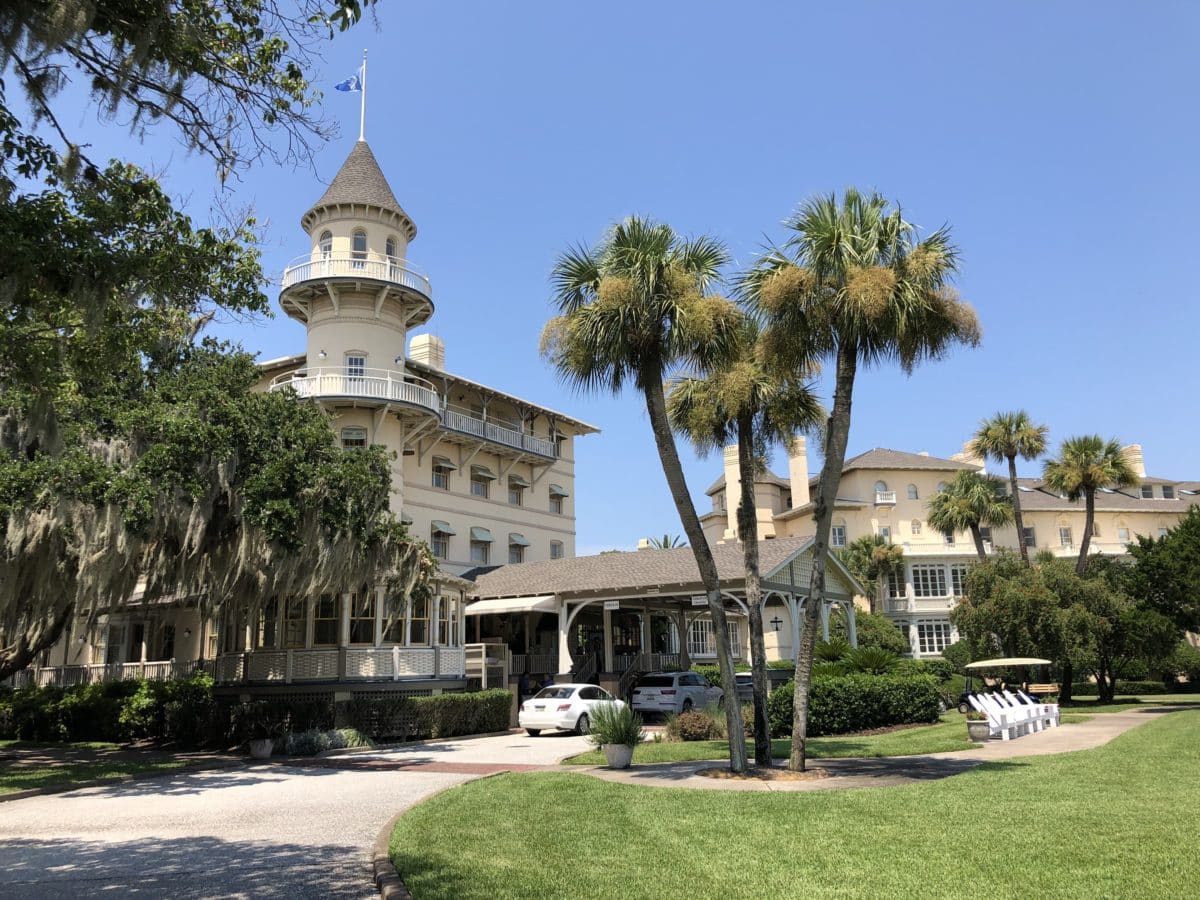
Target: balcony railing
465,423
347,265
372,384
885,498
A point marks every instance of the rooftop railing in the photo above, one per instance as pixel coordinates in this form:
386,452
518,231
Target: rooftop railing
351,265
349,381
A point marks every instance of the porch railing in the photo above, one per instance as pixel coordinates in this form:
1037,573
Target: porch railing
534,663
338,664
68,676
585,669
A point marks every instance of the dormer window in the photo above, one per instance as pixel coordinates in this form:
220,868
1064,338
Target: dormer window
1168,492
1147,492
359,248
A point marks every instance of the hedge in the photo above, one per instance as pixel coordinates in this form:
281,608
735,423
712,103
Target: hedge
842,704
1087,689
439,716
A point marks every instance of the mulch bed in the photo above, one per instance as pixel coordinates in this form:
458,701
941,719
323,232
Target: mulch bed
763,774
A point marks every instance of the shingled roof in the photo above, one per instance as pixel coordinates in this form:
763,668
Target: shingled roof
883,458
1035,495
630,571
361,181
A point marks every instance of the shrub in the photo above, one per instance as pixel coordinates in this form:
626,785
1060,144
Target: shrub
940,669
871,630
614,723
958,655
833,650
780,664
439,716
871,660
856,703
312,742
829,669
1124,688
695,725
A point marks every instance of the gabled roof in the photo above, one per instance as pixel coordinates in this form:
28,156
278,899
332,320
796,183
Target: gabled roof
631,571
361,181
883,458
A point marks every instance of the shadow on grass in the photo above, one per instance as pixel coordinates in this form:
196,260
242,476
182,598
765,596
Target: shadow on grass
193,867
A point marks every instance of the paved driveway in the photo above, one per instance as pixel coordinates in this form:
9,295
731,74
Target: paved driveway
260,831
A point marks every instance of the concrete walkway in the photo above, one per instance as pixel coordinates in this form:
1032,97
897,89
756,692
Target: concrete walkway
270,830
894,770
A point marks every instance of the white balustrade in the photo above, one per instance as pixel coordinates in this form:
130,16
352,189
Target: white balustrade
349,265
377,384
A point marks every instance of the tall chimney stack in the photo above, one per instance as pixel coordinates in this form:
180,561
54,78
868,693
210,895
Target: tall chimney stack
428,350
798,471
1133,453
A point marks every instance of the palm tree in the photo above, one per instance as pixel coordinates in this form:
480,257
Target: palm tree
738,398
971,502
667,542
870,559
631,310
1085,465
853,284
1004,437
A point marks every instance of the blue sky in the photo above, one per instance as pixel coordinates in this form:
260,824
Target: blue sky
1059,140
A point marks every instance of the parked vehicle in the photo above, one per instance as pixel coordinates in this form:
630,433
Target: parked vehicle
563,707
675,692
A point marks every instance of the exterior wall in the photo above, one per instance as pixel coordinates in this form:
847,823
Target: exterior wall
342,221
353,327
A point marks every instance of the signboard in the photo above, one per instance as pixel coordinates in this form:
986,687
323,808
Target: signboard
612,604
700,600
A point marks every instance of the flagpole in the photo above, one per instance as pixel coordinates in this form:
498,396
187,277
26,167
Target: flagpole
362,113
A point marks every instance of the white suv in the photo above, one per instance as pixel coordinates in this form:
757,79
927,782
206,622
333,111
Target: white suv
675,692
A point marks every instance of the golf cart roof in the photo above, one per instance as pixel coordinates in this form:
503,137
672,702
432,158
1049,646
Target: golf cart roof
1008,661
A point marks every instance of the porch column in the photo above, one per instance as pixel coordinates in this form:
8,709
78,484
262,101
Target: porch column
606,619
851,624
435,611
564,646
379,601
344,622
528,628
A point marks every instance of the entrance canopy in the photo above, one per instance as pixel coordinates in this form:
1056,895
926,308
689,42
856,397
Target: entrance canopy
545,603
1008,661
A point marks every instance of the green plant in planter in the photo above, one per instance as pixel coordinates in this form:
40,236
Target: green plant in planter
258,721
615,723
976,716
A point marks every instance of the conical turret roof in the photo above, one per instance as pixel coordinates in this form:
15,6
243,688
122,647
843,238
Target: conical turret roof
361,181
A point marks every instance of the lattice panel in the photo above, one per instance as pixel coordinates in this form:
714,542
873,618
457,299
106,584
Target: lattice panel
228,668
314,665
369,663
416,662
452,661
267,665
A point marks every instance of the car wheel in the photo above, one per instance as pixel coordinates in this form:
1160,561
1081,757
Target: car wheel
687,705
964,708
584,725
533,732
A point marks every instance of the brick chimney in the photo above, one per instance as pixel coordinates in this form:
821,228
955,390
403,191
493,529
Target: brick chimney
429,350
798,471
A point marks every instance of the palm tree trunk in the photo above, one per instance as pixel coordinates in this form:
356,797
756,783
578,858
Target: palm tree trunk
747,520
1089,518
668,454
1018,521
977,537
837,435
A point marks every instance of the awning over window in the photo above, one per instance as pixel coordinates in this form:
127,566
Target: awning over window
557,491
481,534
512,605
518,539
483,472
442,527
443,462
517,481
406,518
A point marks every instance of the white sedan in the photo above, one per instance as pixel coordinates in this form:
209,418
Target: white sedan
563,707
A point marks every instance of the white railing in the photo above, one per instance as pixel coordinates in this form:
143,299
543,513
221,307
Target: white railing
885,498
376,384
67,676
347,265
339,664
499,433
488,663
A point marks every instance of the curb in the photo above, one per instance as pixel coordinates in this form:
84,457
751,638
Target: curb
116,779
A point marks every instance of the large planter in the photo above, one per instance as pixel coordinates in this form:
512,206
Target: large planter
261,748
978,729
619,756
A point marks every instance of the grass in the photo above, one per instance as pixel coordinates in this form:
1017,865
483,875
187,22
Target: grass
1115,821
22,778
948,734
7,744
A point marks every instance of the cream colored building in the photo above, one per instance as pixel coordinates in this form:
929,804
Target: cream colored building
484,476
886,492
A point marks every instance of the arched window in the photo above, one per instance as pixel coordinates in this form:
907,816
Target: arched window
326,244
916,526
912,492
391,249
359,248
880,487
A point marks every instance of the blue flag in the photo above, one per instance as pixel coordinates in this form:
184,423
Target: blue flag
351,84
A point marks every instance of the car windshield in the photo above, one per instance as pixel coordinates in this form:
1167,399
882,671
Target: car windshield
657,681
555,693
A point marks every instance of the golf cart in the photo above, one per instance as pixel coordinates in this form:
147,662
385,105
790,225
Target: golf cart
1008,662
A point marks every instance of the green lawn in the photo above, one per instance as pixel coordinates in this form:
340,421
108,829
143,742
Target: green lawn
949,734
1117,821
76,745
22,778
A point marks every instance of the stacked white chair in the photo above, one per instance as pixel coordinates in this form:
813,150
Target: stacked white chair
1006,719
1048,711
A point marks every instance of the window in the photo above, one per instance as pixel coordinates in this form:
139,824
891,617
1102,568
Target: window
556,504
356,365
1123,535
958,579
885,532
880,487
985,535
390,249
1064,536
516,490
326,244
441,476
949,539
516,553
359,251
479,552
912,492
325,621
1030,536
1147,492
293,622
418,631
556,549
702,639
362,617
837,536
444,621
929,580
916,526
933,637
1168,492
268,625
439,539
354,438
897,589
481,479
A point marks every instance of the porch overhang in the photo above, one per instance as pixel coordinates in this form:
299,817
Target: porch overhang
546,603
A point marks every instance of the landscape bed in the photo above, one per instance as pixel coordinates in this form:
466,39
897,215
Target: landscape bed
1115,821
